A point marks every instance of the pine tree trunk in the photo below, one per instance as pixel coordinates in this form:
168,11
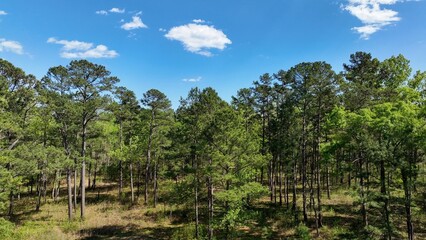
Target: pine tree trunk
38,203
318,168
54,186
155,183
304,180
197,234
139,173
363,203
11,203
383,192
280,179
75,189
89,177
120,184
407,198
69,194
120,162
328,180
210,202
294,206
95,175
83,172
131,183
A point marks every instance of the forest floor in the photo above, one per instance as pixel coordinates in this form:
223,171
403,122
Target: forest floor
108,218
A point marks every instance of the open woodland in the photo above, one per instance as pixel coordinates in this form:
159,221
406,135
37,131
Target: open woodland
304,153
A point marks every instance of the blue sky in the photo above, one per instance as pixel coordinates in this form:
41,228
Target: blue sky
175,45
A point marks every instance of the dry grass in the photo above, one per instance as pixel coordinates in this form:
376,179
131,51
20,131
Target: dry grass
106,218
109,218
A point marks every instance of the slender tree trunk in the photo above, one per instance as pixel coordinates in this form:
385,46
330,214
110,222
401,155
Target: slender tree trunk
75,188
311,189
383,192
69,194
44,187
304,180
89,178
155,183
148,159
120,162
197,234
120,185
58,186
138,191
318,168
328,180
131,182
280,179
363,202
407,198
83,171
39,189
294,206
271,178
287,182
95,175
210,202
11,203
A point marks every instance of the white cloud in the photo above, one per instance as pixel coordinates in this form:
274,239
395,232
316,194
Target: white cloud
102,12
112,10
162,30
372,14
77,49
198,38
3,12
196,79
11,46
117,10
198,21
134,24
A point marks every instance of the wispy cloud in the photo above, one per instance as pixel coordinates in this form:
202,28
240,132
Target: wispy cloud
3,12
11,46
372,14
112,10
102,12
78,49
198,21
136,23
199,38
196,79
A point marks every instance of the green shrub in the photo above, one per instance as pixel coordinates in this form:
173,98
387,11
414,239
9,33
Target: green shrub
6,229
302,232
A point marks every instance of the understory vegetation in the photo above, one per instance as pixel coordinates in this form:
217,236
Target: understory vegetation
305,153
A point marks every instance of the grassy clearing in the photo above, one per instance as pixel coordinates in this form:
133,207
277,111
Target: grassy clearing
108,218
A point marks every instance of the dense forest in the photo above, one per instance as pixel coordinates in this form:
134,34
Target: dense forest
303,153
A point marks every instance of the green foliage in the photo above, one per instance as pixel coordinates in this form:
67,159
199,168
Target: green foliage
6,229
304,128
187,232
302,232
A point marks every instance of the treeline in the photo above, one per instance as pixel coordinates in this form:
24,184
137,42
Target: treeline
296,136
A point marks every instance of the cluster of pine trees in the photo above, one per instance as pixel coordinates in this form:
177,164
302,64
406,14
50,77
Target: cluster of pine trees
296,136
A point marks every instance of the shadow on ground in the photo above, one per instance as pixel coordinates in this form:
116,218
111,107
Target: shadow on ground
126,232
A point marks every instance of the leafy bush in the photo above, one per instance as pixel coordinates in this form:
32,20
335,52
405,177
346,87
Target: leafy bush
302,232
6,229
